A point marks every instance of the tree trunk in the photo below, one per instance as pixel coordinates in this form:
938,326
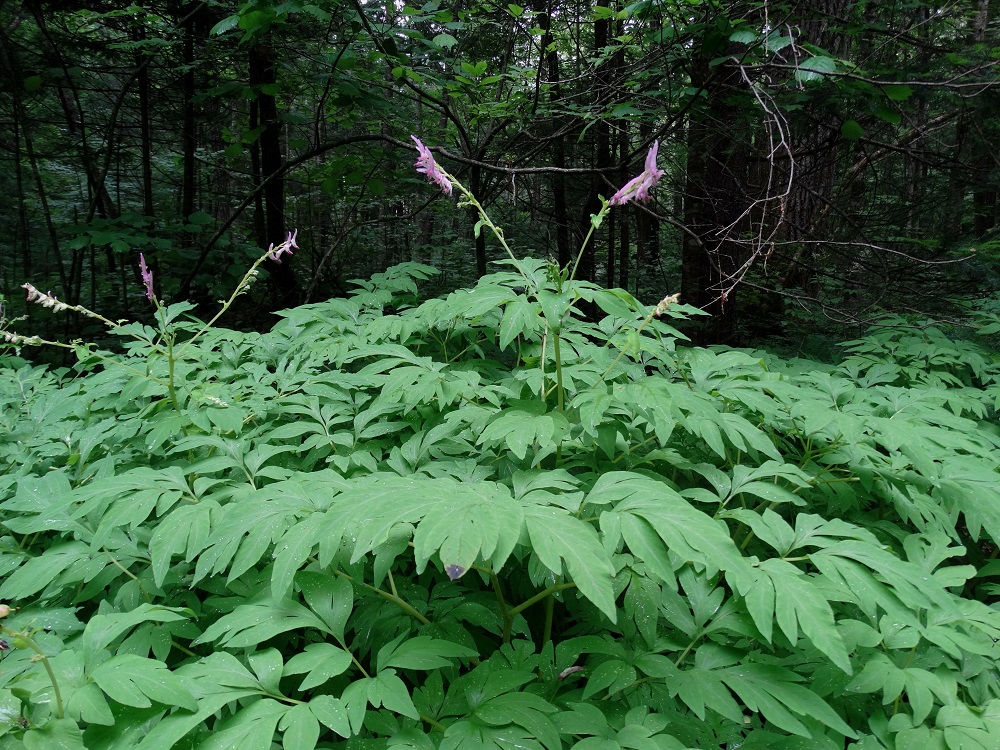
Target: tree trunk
716,209
285,290
549,70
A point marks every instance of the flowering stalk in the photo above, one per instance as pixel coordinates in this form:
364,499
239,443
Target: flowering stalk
51,302
275,253
425,164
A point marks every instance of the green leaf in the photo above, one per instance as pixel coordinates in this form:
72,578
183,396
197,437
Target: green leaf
897,92
774,693
815,68
421,652
319,662
558,537
251,728
743,35
386,689
332,713
10,711
226,24
102,630
469,521
555,308
185,530
329,597
520,318
525,710
446,41
799,604
851,130
253,623
39,572
686,531
54,734
136,681
300,728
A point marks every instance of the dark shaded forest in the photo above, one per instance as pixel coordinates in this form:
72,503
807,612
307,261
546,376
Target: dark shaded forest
827,163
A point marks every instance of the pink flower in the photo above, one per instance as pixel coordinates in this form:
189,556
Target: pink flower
285,248
425,165
637,189
147,277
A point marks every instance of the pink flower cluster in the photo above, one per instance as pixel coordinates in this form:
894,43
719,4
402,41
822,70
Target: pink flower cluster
425,165
285,248
637,189
147,277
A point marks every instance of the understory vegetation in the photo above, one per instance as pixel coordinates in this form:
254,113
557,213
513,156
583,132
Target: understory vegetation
523,515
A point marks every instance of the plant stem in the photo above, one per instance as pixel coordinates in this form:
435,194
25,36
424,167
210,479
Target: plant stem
595,221
30,643
403,605
470,200
433,722
541,595
560,397
170,372
508,620
550,609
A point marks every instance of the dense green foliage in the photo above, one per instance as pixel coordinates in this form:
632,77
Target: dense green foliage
533,513
486,520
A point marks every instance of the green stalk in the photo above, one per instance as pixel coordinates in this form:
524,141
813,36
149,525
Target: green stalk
403,605
595,222
170,373
40,656
560,397
541,595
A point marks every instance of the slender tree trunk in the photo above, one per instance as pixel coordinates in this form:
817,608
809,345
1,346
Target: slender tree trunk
263,79
810,173
21,117
145,131
23,237
189,132
716,208
549,63
624,241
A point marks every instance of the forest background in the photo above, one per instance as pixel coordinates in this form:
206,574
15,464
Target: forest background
826,162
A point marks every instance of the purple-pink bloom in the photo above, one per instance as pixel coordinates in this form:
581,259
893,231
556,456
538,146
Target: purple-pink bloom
147,277
425,165
637,189
285,248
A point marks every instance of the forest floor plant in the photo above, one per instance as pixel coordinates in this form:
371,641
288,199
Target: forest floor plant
487,521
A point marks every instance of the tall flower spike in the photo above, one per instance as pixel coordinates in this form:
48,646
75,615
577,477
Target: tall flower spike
147,277
425,165
637,189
